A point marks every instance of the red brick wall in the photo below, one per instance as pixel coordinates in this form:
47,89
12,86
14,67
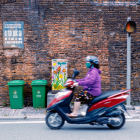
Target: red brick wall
70,30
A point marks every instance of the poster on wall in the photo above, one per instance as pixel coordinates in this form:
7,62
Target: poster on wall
13,34
59,74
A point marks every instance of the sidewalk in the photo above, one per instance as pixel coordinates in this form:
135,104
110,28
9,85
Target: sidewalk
25,113
31,113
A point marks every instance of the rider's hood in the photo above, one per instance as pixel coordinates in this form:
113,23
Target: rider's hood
99,71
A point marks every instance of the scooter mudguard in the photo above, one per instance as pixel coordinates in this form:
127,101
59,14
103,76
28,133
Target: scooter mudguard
114,113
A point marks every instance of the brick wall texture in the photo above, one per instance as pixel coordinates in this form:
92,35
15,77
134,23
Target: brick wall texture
71,29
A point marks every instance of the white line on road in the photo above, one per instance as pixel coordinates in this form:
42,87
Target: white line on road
133,120
24,122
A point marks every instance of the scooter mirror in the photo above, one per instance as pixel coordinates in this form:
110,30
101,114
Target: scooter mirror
75,73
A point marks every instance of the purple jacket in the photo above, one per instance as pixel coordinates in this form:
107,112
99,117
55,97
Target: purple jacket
91,82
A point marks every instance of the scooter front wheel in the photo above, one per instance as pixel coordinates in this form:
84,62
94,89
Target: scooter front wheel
54,120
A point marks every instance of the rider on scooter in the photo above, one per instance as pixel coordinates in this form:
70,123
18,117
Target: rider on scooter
91,84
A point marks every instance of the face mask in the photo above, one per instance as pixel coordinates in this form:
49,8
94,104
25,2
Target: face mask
88,65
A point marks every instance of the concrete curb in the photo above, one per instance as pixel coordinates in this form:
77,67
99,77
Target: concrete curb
29,113
129,107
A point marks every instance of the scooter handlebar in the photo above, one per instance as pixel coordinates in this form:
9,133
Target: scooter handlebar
69,83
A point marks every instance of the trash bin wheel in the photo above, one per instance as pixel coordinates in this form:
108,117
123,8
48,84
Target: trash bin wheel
54,120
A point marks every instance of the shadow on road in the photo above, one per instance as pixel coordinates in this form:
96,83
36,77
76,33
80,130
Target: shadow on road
96,128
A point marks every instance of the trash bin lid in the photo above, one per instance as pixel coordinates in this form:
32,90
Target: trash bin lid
39,82
16,82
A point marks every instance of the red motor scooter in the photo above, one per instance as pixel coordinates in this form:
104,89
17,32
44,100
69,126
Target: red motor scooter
108,108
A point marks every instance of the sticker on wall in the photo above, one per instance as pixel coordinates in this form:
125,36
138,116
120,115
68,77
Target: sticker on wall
59,73
13,34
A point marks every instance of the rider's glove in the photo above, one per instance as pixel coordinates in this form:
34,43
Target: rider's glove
75,84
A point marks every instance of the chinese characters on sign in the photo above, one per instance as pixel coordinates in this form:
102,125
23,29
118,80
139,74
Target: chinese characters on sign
13,34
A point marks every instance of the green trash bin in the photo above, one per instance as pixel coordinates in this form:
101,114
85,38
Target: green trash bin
16,90
39,93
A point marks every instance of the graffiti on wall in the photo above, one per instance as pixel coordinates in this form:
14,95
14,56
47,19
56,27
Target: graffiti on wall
59,73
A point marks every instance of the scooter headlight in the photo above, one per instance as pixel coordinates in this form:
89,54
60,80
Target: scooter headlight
59,96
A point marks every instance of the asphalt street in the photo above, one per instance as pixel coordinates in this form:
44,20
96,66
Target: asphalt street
37,130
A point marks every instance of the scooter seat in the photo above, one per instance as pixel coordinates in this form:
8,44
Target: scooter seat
103,95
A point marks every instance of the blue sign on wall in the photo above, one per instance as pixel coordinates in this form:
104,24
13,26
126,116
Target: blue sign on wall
13,34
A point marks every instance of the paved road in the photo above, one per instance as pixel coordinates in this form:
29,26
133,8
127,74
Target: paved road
37,130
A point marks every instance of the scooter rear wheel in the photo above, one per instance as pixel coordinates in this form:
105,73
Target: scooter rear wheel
54,120
122,122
